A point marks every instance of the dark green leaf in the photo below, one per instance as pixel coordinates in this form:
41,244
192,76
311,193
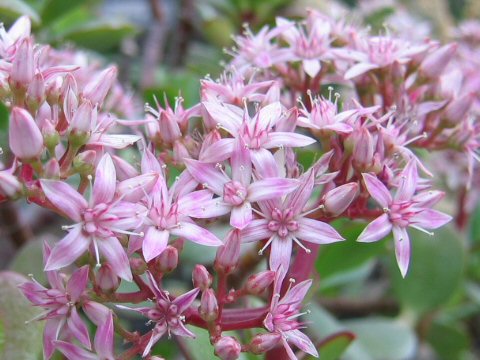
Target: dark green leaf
53,9
10,10
335,345
449,341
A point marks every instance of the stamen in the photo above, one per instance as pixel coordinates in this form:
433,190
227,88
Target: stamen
97,253
422,136
307,250
422,230
260,252
319,207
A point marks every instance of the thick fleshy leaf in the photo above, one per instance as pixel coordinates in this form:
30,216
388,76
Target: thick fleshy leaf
207,175
78,328
377,190
196,234
114,253
280,253
255,231
376,230
77,283
69,249
154,242
270,188
241,215
64,198
402,248
105,180
317,232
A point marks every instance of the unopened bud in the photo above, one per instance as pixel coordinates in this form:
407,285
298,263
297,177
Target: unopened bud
167,261
51,138
264,342
96,312
437,61
227,348
124,169
336,201
458,108
53,91
52,169
9,184
228,254
83,118
22,66
84,163
138,266
107,280
363,148
257,283
201,277
97,89
180,152
36,92
208,309
26,140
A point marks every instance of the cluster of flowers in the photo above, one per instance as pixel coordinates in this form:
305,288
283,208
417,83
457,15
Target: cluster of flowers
235,154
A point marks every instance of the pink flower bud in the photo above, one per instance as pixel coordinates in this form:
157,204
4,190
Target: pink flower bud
22,66
9,184
124,169
83,118
180,152
458,108
36,92
227,348
96,312
363,148
437,61
257,283
336,201
70,105
167,261
208,309
51,138
26,140
201,277
107,280
264,342
138,266
53,91
52,169
84,163
97,89
228,254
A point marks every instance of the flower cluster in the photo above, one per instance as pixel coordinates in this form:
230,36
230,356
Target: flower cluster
230,162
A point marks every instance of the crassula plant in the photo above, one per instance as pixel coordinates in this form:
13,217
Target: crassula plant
225,174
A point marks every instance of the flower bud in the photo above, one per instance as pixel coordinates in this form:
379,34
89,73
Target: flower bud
227,348
363,148
97,89
257,283
96,312
201,277
167,261
138,266
336,201
264,342
82,120
51,138
36,92
53,91
106,279
228,254
52,169
23,69
180,152
437,61
26,140
208,309
124,169
458,108
9,184
84,163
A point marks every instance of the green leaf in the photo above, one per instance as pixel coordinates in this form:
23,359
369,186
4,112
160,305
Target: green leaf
436,264
475,226
449,341
21,341
332,347
29,260
383,338
101,35
53,9
10,10
4,115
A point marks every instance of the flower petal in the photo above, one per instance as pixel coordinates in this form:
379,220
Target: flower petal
78,328
402,248
241,215
270,188
311,67
317,232
105,180
69,249
104,339
184,301
154,242
408,182
359,69
193,202
376,230
74,352
280,253
64,198
301,341
113,252
287,139
210,209
49,336
197,234
227,116
77,283
241,163
255,231
430,219
378,190
207,175
218,151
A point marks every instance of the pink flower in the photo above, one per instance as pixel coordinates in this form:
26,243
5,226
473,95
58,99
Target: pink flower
282,319
404,210
97,221
168,315
24,136
238,192
286,222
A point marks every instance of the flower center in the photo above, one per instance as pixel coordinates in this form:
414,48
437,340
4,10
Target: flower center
92,219
401,213
283,222
234,193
